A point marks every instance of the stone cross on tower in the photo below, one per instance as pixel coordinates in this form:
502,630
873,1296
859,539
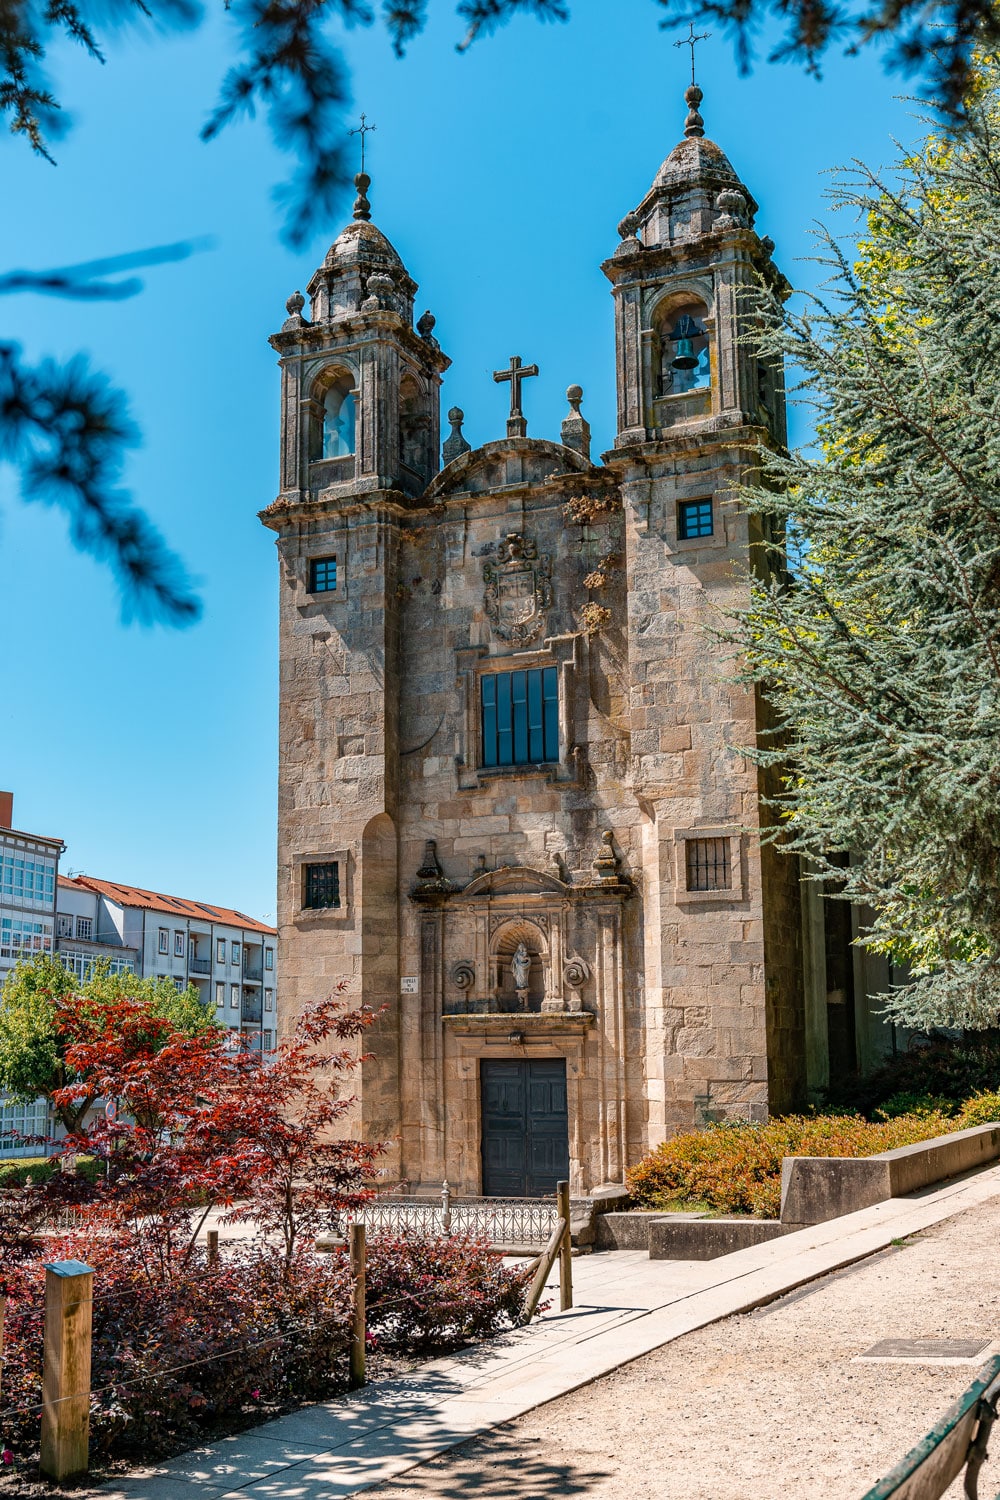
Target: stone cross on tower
363,129
516,425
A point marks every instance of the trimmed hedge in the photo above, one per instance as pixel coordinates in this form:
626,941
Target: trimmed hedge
43,1169
736,1168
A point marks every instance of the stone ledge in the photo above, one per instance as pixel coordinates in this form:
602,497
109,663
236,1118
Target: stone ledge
533,1023
705,1239
817,1188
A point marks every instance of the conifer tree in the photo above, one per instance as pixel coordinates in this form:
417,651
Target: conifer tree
875,628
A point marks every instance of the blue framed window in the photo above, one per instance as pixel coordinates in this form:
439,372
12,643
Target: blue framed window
694,518
322,575
520,717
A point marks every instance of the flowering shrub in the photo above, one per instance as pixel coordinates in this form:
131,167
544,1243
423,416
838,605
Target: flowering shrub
736,1168
429,1294
981,1109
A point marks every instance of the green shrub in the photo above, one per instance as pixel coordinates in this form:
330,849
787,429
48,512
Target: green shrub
737,1168
944,1068
42,1169
913,1104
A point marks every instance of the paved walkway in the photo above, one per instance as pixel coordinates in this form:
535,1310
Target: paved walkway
626,1306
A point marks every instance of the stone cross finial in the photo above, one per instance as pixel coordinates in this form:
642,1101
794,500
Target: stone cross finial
362,208
456,444
516,373
575,430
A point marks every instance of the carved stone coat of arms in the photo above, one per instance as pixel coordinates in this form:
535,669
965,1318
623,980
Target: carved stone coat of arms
518,590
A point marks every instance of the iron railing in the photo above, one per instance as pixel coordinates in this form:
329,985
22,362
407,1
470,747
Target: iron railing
526,1223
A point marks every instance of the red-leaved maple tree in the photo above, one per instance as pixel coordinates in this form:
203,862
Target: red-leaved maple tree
202,1125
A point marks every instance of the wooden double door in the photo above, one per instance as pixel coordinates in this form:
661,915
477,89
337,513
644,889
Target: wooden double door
525,1128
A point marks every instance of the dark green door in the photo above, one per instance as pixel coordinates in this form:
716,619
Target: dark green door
525,1127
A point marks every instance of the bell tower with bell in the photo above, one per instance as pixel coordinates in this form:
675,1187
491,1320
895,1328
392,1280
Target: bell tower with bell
695,405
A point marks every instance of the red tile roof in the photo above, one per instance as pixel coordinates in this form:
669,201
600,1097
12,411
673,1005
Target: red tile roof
178,906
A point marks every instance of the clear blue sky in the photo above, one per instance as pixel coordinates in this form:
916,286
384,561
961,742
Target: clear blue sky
500,176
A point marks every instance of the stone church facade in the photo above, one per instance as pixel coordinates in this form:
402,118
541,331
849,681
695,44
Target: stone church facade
513,807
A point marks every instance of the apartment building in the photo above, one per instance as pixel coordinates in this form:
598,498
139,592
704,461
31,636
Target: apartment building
29,867
229,957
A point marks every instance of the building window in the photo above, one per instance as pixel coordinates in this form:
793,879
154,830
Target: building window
707,864
236,953
520,717
268,958
220,950
181,986
179,944
268,999
321,886
82,964
694,518
164,944
220,995
64,925
322,575
85,928
234,997
26,879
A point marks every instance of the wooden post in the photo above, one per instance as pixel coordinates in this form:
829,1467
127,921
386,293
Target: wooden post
356,1234
69,1286
565,1249
212,1245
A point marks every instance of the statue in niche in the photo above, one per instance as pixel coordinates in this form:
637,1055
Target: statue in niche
520,968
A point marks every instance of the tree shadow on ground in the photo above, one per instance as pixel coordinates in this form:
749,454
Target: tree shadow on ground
494,1467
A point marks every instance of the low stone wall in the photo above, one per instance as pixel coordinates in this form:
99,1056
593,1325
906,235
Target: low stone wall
704,1239
624,1231
817,1188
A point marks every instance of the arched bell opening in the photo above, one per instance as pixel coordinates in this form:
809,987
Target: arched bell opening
683,341
333,430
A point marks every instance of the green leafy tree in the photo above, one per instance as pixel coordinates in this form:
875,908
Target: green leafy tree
877,634
44,1012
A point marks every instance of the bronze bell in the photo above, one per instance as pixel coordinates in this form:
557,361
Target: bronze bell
685,358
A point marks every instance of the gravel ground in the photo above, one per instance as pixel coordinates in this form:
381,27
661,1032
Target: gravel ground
768,1406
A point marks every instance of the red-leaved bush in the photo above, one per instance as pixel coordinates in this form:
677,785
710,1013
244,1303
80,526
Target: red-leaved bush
210,1347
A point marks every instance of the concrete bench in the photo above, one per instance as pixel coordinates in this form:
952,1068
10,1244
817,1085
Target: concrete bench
817,1188
957,1442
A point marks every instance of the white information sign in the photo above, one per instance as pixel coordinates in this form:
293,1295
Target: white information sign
409,985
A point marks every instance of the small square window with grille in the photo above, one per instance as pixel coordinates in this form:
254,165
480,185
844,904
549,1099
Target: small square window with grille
694,518
321,886
322,575
707,862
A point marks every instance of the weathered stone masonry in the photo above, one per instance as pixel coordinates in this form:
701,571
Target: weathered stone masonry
606,856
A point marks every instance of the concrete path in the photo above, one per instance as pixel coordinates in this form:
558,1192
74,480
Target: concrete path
626,1306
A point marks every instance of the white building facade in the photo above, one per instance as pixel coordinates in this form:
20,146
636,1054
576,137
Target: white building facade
229,957
29,869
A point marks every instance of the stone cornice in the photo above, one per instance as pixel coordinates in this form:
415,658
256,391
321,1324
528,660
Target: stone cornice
306,340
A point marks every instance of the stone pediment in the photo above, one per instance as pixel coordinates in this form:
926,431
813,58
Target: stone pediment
505,463
516,880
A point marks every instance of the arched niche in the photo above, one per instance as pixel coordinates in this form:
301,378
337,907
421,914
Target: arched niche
333,415
505,943
414,425
682,344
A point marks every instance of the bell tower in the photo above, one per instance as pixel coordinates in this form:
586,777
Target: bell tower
695,406
360,434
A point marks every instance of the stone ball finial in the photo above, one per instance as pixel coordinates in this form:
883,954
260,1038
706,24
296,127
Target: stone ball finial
426,324
574,395
456,416
295,304
456,443
628,226
694,125
362,208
